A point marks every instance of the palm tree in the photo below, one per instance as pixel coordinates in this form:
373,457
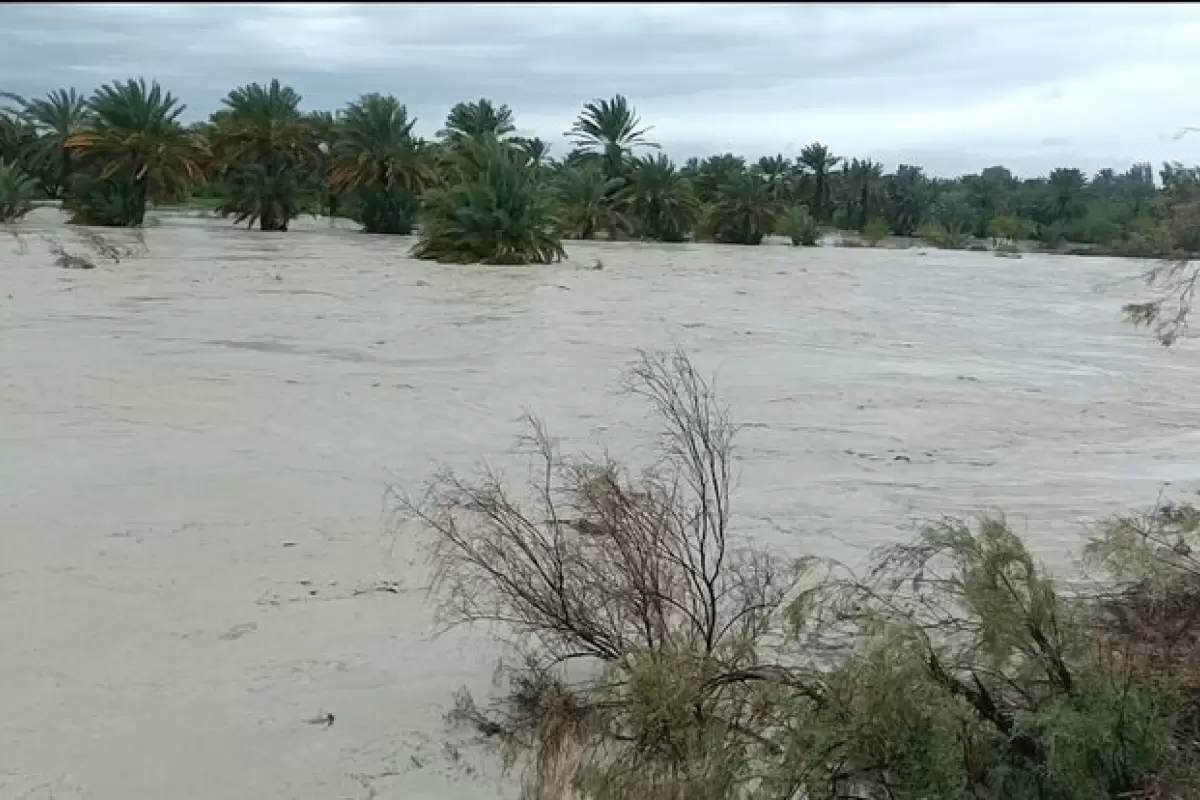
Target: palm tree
612,129
864,181
54,119
481,118
909,194
17,137
586,201
377,158
494,210
714,172
134,148
266,151
817,158
1067,185
16,193
536,149
776,170
659,200
800,226
745,212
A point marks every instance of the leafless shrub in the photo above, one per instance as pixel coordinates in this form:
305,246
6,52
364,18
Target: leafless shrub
112,251
629,601
1151,613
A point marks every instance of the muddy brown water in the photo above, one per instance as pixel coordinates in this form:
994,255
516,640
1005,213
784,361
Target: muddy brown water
196,562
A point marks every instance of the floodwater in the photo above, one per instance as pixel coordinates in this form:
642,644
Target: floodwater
196,560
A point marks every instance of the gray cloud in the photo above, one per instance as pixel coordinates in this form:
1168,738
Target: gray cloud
952,86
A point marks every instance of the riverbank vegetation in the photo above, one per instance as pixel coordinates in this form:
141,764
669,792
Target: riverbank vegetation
262,160
655,651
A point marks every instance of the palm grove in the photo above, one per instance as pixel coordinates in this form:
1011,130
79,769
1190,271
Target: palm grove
479,192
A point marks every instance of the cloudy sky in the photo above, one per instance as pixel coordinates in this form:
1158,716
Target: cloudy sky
954,87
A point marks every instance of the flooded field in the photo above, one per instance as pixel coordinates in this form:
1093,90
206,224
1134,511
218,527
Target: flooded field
197,564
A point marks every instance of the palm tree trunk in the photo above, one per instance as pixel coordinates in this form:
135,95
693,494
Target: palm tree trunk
64,175
139,194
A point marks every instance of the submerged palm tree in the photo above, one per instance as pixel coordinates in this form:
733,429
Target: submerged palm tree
799,226
16,193
659,200
714,172
377,159
612,129
480,118
268,154
136,149
586,202
495,209
817,158
17,137
777,172
53,119
745,212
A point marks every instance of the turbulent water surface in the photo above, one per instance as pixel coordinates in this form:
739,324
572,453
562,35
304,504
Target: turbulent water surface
197,564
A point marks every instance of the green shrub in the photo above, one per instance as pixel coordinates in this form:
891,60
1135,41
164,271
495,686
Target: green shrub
656,654
1008,228
381,209
112,202
937,235
800,226
875,231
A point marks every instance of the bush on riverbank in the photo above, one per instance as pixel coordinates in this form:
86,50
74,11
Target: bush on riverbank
655,654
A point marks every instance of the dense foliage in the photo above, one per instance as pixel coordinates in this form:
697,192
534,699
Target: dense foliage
494,209
263,160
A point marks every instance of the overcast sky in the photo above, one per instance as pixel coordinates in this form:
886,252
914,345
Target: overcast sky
954,87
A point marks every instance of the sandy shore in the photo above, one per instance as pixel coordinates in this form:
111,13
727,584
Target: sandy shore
196,559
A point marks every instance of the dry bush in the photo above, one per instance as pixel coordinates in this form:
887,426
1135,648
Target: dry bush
636,619
1151,613
111,251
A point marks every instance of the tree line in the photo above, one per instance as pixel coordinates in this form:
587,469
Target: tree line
480,192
